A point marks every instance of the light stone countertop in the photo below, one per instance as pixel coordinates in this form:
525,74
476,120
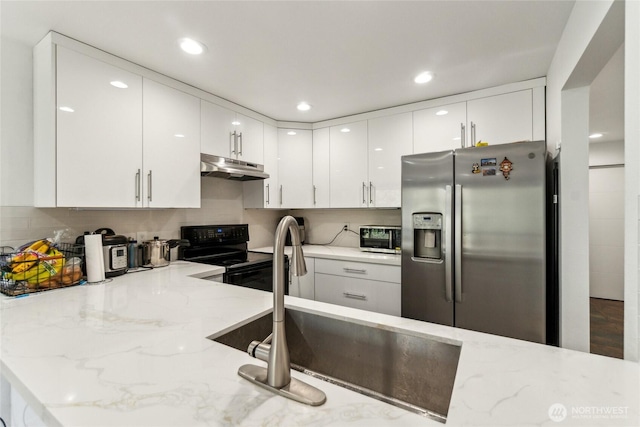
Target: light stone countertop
133,352
340,253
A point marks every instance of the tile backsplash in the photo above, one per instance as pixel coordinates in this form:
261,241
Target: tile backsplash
221,204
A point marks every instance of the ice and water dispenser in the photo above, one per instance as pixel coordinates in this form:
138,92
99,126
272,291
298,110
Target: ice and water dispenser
427,236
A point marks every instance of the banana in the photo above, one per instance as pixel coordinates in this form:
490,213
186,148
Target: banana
48,267
28,257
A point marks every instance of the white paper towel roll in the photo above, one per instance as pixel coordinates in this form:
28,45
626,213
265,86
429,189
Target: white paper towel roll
94,257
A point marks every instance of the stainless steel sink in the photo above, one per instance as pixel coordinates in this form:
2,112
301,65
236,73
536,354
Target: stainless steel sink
412,371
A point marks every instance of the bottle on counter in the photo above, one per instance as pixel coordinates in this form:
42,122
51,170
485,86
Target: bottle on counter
132,253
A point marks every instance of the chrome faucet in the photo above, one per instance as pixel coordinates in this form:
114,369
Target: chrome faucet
277,376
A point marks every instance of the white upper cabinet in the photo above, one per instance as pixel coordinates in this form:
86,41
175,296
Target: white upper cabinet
229,134
501,119
321,168
390,138
264,193
348,163
106,137
295,159
440,128
99,134
171,147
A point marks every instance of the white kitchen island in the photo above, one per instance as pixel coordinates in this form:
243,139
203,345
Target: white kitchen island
133,352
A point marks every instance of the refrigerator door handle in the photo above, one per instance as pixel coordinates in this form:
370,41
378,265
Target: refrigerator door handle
458,242
448,246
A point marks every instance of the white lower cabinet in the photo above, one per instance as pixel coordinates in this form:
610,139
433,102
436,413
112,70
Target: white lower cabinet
303,286
373,287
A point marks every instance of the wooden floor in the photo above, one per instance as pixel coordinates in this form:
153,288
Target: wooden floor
607,327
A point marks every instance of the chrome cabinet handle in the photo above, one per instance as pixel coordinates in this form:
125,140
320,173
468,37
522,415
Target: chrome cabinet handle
149,181
473,134
370,193
315,201
448,245
355,296
280,195
457,232
463,135
364,189
355,270
240,139
138,185
267,194
232,141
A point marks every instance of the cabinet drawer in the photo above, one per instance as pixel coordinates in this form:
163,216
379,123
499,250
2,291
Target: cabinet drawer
363,270
381,297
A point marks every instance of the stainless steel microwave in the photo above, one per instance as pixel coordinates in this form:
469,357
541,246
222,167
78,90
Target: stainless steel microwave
381,238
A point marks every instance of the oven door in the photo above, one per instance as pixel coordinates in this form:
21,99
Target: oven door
257,276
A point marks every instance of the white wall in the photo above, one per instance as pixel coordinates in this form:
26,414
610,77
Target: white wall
582,25
606,220
585,20
632,178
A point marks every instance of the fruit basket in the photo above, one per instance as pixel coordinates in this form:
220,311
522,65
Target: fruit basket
40,266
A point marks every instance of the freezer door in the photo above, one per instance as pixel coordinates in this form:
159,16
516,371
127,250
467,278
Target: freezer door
501,205
427,181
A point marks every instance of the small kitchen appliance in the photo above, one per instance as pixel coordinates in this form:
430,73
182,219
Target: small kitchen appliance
381,238
115,251
300,221
226,246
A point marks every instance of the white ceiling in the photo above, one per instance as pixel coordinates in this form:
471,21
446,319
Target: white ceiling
342,57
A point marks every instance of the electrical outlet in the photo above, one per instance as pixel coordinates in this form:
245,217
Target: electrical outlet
143,236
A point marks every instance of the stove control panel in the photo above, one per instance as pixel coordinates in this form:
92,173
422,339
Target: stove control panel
201,235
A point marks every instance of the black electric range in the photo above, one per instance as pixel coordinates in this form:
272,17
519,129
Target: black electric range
226,246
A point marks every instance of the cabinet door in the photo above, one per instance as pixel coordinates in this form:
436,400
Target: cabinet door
440,129
295,151
390,138
321,168
263,193
250,139
304,286
171,147
216,124
381,297
501,119
348,162
99,133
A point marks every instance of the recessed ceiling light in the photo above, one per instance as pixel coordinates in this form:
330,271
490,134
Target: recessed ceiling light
291,133
235,123
442,113
119,84
377,149
423,77
303,106
345,130
456,138
67,109
191,46
595,135
179,135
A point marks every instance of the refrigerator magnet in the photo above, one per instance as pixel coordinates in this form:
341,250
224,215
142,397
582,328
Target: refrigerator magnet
506,166
489,172
475,168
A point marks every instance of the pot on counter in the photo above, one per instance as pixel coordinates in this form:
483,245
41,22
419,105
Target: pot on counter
155,253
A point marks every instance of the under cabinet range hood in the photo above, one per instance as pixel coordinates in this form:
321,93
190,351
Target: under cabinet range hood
222,167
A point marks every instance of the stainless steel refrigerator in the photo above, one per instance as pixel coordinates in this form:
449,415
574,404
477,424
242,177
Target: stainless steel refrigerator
474,239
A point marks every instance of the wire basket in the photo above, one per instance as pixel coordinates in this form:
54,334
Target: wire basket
40,267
